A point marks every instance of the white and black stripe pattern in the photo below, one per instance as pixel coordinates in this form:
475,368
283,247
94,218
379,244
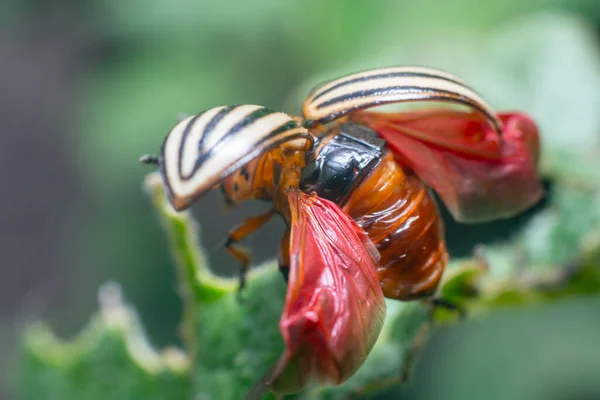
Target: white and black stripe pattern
341,96
204,148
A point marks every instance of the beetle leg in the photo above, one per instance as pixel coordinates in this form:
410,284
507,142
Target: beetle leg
284,255
439,302
241,254
247,227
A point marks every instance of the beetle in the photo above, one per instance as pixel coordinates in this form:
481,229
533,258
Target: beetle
377,167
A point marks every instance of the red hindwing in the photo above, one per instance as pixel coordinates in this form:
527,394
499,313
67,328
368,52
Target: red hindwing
479,173
334,307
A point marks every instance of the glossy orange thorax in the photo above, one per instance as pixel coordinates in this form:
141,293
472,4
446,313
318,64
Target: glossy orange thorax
267,177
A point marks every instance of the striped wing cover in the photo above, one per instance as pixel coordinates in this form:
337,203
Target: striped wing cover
203,149
370,88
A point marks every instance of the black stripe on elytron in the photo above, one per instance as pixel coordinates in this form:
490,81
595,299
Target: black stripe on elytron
210,126
248,120
283,128
390,75
186,131
457,99
288,126
258,151
385,91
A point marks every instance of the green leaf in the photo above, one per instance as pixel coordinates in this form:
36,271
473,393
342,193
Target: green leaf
110,359
197,280
230,339
385,365
231,343
554,235
238,341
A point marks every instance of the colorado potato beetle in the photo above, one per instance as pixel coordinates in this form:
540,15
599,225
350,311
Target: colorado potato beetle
377,167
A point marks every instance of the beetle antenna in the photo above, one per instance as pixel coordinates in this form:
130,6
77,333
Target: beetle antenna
148,159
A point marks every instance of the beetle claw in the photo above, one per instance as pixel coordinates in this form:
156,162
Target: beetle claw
439,302
242,285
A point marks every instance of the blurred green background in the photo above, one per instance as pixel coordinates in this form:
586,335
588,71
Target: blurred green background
88,87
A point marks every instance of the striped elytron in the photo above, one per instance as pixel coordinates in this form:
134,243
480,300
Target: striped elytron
374,166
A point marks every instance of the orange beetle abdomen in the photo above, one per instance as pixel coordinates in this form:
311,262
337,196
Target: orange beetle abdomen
401,218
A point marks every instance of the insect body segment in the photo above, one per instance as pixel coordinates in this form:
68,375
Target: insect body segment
404,223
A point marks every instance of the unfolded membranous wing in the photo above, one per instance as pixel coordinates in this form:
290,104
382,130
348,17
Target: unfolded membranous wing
480,175
334,308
